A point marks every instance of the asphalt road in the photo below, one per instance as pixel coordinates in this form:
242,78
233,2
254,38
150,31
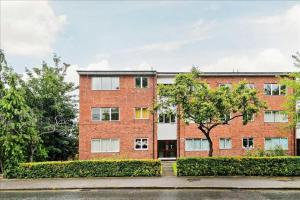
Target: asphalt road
152,194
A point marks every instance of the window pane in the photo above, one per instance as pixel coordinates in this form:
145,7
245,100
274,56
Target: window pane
222,143
145,82
138,113
275,89
167,118
245,142
205,145
114,113
145,113
144,143
267,88
283,117
106,83
268,144
114,145
188,145
284,143
250,85
138,82
115,83
96,83
161,118
105,114
282,90
95,146
228,143
250,142
269,116
173,118
96,114
197,144
138,144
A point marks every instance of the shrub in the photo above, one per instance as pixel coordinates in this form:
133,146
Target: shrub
239,166
277,151
88,168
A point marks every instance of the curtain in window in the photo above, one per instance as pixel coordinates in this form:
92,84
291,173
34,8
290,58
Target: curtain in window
145,113
138,113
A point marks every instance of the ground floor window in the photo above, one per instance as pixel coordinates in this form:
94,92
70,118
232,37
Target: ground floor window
272,143
248,143
141,144
225,143
105,145
196,144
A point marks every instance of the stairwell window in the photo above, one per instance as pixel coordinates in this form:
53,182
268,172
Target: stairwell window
105,83
105,145
272,89
194,144
105,114
141,144
141,82
167,118
225,143
141,113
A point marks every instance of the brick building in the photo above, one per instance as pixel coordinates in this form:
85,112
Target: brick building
115,121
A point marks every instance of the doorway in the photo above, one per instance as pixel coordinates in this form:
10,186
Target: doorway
298,147
167,148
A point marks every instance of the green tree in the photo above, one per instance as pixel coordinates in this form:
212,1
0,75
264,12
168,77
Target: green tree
52,100
292,81
17,122
208,107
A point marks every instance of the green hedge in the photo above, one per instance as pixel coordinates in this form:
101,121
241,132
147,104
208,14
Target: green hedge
88,168
239,166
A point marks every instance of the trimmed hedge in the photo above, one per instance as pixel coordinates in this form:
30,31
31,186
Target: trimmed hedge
88,168
239,166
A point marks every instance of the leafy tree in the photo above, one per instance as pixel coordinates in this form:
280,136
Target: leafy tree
17,122
292,81
52,101
208,107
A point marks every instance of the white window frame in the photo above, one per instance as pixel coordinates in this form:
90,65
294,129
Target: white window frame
141,140
273,116
164,119
100,77
279,86
201,144
110,139
276,138
247,142
141,79
141,111
250,85
226,139
229,85
101,114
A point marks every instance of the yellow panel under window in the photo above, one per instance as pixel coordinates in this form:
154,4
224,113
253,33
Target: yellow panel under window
145,113
138,113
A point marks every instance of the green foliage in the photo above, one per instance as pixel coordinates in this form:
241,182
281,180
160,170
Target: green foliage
208,107
53,102
17,122
174,166
277,151
91,168
239,166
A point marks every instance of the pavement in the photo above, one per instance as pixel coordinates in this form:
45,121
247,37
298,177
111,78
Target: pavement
166,182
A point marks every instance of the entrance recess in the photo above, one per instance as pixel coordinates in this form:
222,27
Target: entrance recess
167,149
298,147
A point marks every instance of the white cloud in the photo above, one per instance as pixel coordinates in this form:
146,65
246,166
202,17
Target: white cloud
101,65
29,27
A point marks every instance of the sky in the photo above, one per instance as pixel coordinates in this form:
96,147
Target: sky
159,35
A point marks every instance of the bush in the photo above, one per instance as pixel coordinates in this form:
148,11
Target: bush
239,166
277,151
88,168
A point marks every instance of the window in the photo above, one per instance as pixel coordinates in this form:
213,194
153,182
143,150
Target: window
196,145
141,144
105,145
248,143
272,143
141,82
274,89
250,117
250,85
225,85
105,83
141,113
275,116
225,117
105,114
225,143
166,118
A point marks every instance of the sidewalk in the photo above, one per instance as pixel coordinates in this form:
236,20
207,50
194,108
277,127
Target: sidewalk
153,183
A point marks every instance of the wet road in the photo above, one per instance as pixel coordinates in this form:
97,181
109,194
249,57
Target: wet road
152,194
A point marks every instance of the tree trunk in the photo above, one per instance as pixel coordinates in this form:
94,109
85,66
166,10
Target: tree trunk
210,153
32,150
1,167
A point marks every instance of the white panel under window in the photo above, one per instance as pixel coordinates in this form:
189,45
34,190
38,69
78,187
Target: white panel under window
105,145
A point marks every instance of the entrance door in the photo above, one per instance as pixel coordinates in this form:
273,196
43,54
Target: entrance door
298,147
167,148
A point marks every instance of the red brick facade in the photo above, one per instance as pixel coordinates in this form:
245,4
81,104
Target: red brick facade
127,129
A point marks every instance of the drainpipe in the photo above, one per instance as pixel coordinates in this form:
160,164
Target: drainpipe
153,117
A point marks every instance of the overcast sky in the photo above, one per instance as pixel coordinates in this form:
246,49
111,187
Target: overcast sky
165,36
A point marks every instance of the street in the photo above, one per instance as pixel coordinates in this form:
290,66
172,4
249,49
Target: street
152,194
